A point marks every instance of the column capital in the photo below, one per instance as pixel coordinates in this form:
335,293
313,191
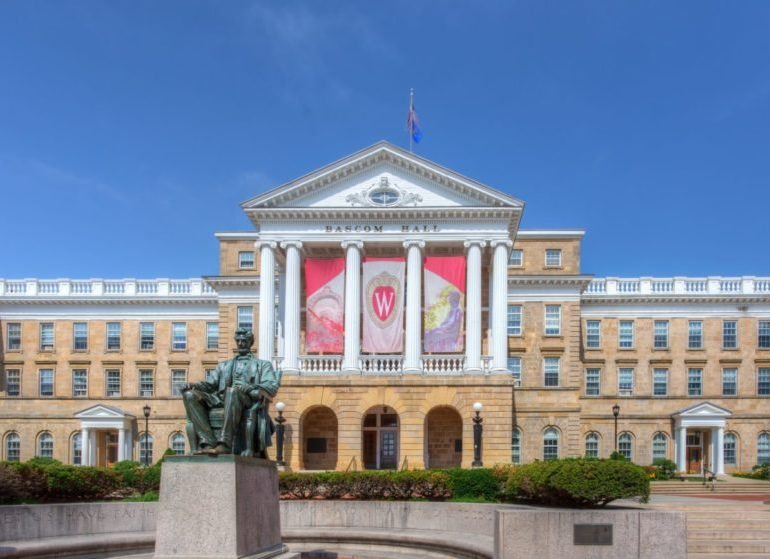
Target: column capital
497,242
414,242
475,242
295,244
350,243
269,244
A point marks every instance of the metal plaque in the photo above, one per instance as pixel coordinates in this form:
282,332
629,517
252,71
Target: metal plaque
592,534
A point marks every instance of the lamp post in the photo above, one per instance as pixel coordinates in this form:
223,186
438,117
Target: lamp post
280,420
477,432
146,435
616,413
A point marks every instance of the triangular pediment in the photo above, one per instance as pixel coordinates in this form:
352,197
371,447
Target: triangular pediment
385,177
704,409
100,411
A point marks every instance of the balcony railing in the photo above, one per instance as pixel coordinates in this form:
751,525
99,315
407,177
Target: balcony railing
452,364
320,365
386,365
746,285
381,364
105,288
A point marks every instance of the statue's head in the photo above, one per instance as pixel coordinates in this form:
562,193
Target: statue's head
244,339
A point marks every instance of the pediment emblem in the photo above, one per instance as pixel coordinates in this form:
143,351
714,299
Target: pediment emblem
383,194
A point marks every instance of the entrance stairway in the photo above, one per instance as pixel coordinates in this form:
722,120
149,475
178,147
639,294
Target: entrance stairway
727,485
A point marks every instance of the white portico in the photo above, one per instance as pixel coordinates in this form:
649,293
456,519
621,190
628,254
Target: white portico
106,435
384,202
700,434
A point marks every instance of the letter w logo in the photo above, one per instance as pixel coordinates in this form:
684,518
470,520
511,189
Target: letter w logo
383,301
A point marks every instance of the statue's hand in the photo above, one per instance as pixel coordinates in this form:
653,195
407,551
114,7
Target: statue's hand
245,388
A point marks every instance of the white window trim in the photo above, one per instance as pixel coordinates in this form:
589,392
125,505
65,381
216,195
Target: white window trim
561,258
545,320
737,334
627,392
599,345
40,382
253,260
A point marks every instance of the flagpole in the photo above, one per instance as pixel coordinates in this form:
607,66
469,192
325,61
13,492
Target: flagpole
411,107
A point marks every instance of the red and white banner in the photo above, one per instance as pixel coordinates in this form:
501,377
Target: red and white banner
325,302
383,294
444,304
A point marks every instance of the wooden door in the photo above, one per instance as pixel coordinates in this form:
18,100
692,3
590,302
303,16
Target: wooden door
694,460
370,450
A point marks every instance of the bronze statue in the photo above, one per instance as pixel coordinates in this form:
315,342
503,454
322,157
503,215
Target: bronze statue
228,412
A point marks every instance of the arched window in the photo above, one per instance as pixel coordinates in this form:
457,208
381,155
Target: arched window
45,445
12,447
763,448
729,449
659,446
145,448
592,445
77,449
625,445
516,446
177,443
550,444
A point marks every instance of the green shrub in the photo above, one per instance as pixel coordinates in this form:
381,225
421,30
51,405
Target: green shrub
478,483
11,485
130,472
41,462
664,468
81,483
615,455
761,471
370,485
578,482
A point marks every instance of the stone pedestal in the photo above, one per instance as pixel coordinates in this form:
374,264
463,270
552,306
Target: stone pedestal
223,507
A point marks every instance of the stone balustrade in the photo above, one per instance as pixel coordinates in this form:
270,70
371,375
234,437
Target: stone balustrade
99,288
713,285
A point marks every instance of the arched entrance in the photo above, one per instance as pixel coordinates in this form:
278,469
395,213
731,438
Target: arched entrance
319,439
380,438
443,438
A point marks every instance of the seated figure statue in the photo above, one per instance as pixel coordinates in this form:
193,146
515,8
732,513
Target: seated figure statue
238,392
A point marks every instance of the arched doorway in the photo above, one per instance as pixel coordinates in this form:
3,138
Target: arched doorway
380,438
319,439
443,438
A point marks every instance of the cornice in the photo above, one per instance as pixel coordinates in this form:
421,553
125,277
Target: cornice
580,281
231,281
423,213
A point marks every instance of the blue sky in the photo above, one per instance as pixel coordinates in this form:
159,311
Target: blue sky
130,131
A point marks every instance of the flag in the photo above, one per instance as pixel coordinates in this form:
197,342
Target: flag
383,298
413,125
444,303
325,305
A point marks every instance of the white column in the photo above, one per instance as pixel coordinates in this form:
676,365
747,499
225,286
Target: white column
473,307
92,448
266,299
413,334
500,250
681,449
129,444
718,442
85,446
121,444
291,318
350,363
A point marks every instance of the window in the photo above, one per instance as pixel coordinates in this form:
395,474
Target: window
45,445
729,449
729,334
660,334
14,336
146,336
660,382
551,366
694,382
46,382
550,444
177,443
625,445
592,382
46,336
626,334
516,258
514,366
113,383
179,336
553,258
113,336
145,448
80,336
729,382
79,383
763,449
592,445
146,383
659,447
212,335
695,334
514,320
763,334
13,383
246,259
12,447
552,320
246,318
516,446
178,380
77,449
593,334
625,381
763,381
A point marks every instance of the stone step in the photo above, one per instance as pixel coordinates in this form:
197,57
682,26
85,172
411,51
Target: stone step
728,546
727,533
706,555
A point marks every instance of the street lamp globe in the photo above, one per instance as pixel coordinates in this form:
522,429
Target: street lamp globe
280,406
477,407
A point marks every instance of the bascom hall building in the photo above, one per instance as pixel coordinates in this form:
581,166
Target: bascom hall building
394,293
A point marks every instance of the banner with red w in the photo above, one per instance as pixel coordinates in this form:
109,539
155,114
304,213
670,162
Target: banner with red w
444,304
325,303
383,294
